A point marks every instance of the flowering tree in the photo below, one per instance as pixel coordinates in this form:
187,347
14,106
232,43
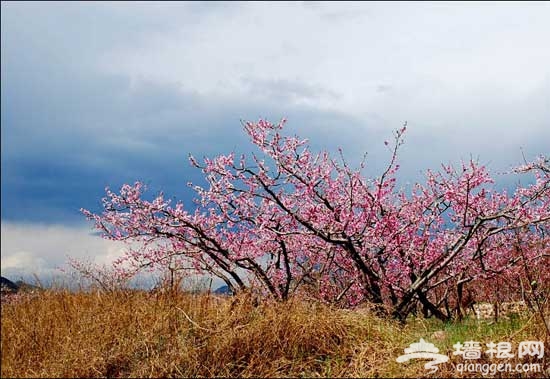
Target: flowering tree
289,221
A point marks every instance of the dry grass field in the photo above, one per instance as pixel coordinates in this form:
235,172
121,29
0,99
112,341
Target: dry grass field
137,334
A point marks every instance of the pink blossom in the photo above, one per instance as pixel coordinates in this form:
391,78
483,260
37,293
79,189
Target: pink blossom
292,221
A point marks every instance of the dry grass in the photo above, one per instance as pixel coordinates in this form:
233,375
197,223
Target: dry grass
135,334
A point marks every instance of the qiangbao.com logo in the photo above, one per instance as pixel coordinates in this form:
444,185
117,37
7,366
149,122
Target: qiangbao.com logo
473,350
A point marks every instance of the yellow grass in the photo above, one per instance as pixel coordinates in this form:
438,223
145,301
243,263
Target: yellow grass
136,334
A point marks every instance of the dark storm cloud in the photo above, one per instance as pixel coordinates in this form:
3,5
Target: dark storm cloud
70,127
68,131
99,94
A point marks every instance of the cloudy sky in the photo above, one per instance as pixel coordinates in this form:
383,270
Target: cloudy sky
99,94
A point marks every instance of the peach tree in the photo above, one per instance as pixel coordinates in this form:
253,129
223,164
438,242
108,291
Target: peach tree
287,220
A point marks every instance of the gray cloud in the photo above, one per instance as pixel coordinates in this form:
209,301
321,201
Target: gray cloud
43,249
287,91
97,94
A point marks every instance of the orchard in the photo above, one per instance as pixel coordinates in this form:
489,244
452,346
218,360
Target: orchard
288,221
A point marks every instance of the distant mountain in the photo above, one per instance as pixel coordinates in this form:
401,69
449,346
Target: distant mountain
223,290
7,285
26,286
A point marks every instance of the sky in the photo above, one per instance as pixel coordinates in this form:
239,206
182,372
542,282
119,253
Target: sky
98,94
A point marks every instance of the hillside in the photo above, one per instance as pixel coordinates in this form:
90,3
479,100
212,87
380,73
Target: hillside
140,334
